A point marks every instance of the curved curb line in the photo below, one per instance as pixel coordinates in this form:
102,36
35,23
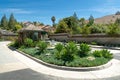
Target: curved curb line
64,67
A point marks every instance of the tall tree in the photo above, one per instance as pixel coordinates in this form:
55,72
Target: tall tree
82,21
4,22
62,27
53,20
117,13
91,20
71,22
12,22
117,21
75,16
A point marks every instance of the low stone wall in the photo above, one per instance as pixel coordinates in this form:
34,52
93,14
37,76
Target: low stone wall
98,38
9,37
59,37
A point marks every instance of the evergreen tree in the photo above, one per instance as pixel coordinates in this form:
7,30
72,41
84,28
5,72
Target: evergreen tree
12,23
62,27
117,21
71,22
117,13
82,21
75,16
4,22
91,20
53,20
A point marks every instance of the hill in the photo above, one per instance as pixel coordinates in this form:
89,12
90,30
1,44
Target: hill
107,19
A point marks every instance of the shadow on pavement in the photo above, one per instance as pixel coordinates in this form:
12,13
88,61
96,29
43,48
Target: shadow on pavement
24,74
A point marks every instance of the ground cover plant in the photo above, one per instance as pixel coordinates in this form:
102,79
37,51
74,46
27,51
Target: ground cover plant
68,54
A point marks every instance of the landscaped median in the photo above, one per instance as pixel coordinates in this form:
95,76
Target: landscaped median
68,56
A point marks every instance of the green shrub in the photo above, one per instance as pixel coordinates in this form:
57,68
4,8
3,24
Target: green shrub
28,42
85,30
113,29
93,43
84,50
15,44
70,50
22,47
97,53
103,53
106,53
59,47
42,46
59,50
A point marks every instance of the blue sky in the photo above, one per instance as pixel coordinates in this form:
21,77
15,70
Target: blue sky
43,10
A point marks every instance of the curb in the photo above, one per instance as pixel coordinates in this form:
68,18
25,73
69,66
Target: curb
64,67
105,47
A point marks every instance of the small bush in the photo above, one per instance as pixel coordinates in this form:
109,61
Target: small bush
103,53
70,50
93,43
22,47
15,44
28,42
84,50
59,50
106,53
97,53
42,46
59,47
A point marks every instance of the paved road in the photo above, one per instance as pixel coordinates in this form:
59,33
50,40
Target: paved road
14,66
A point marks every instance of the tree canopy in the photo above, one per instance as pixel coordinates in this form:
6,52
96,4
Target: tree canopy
91,20
53,20
62,27
4,22
12,22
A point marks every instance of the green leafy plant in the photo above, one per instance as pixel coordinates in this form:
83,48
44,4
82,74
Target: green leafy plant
70,50
103,53
59,50
84,50
106,53
113,29
94,43
97,53
28,42
42,46
15,44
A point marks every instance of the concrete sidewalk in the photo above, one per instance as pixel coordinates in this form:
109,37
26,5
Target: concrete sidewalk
105,74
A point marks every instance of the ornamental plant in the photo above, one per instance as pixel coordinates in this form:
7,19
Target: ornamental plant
84,50
28,42
59,50
42,46
103,53
70,50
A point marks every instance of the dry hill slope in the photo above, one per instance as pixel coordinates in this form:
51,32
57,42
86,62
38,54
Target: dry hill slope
106,19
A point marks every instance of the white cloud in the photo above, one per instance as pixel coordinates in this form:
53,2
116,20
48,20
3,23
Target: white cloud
15,10
111,6
106,10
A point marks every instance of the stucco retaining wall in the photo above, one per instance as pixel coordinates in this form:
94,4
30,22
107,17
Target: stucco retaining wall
101,38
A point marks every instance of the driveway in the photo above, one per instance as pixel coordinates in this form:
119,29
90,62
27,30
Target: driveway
15,66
